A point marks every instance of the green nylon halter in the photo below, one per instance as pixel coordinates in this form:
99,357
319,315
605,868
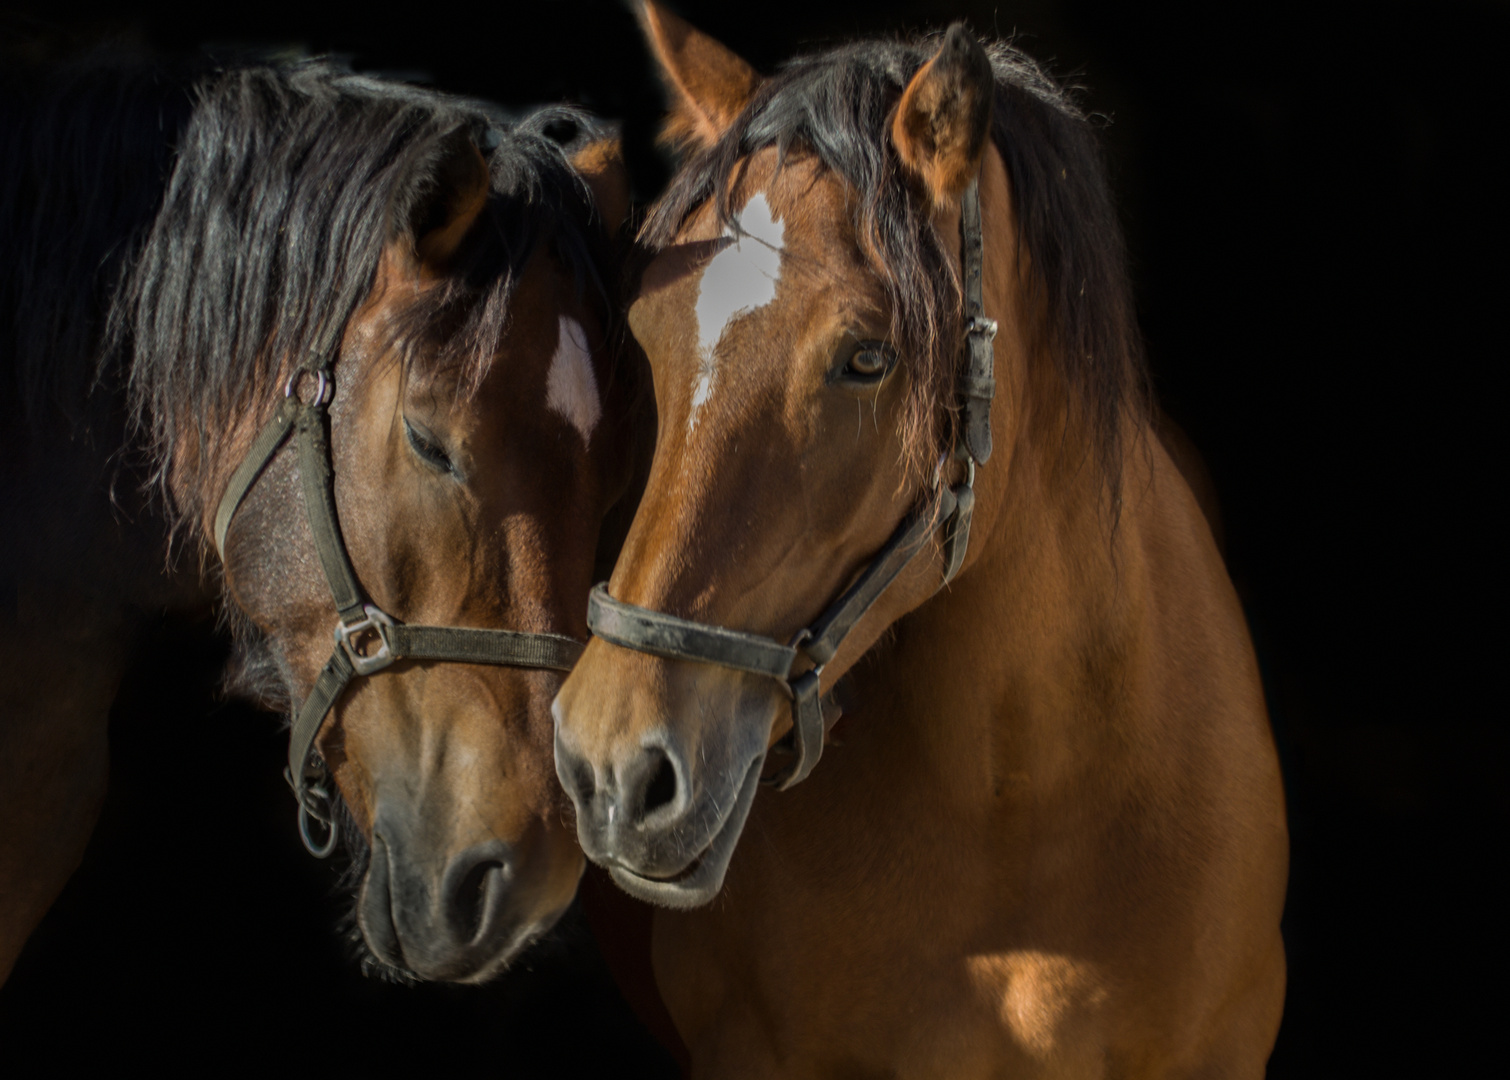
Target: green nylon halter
368,639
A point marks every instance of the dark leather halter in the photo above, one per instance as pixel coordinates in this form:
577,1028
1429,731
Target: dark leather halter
368,639
949,513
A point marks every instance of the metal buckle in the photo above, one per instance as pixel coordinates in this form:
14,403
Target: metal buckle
355,639
979,324
322,386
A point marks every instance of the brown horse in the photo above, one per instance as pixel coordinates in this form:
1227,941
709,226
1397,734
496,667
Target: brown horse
426,294
1048,837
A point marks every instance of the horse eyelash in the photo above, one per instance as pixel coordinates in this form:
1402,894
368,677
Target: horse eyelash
427,448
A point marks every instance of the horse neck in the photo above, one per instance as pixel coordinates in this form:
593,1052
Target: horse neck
1037,651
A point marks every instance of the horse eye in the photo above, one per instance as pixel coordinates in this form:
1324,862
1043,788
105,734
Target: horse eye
870,362
429,451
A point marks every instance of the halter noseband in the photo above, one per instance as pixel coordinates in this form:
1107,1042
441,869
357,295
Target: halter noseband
660,634
368,639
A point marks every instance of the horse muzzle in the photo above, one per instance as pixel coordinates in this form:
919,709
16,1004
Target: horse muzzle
453,918
664,830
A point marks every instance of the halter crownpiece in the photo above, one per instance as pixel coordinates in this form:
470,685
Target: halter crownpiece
949,513
367,638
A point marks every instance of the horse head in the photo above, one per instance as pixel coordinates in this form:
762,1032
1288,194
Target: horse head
476,428
803,335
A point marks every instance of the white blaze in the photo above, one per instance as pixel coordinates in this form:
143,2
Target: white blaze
739,279
572,388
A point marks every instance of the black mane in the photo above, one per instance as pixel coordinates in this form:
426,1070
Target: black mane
289,181
188,233
837,105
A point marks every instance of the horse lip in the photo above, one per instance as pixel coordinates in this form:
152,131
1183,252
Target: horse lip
701,879
520,940
376,921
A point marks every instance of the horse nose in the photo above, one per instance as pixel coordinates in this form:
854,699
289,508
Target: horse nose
474,889
650,787
444,919
644,791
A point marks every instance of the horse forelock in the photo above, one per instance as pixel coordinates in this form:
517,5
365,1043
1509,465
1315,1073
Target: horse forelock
836,106
536,198
289,182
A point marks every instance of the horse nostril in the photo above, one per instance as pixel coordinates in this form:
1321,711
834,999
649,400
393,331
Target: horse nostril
582,782
475,887
471,899
661,790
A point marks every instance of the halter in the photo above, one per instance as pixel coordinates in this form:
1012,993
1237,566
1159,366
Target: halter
949,512
368,639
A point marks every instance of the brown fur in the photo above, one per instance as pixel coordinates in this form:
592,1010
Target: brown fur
940,125
469,185
69,623
700,107
1053,840
601,165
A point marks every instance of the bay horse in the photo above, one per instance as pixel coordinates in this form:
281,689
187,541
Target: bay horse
354,343
907,498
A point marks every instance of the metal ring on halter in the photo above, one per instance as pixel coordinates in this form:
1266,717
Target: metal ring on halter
938,470
332,834
322,387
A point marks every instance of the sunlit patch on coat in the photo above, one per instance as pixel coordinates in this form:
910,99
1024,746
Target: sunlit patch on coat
1039,996
572,387
740,279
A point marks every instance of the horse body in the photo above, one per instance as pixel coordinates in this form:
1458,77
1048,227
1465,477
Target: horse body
1051,838
82,568
449,278
67,640
1049,866
83,555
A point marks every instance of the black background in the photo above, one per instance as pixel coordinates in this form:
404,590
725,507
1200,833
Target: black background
1311,196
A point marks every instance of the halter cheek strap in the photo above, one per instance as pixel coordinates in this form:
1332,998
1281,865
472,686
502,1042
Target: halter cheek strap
948,513
367,638
676,638
977,380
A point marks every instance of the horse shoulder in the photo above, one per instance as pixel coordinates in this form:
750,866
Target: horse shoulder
1192,466
1212,804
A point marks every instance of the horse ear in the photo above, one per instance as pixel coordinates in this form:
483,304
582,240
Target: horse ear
708,84
601,166
442,220
941,123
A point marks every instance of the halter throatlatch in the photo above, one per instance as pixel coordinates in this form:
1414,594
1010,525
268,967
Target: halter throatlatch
948,513
368,639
